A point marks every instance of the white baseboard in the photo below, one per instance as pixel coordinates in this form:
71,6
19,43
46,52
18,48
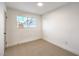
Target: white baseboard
64,47
20,42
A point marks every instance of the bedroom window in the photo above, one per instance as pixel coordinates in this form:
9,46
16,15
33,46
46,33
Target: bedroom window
26,22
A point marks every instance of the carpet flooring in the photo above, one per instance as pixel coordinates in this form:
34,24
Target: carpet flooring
37,48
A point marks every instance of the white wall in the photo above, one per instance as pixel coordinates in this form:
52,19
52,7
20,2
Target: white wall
2,18
15,35
61,27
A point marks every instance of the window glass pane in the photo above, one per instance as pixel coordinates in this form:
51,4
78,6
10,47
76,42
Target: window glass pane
24,22
21,19
33,22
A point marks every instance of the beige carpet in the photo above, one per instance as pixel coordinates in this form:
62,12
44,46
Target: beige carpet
37,48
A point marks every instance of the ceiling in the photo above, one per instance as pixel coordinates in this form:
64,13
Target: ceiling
33,8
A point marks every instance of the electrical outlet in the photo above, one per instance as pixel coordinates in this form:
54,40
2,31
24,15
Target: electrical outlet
66,42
